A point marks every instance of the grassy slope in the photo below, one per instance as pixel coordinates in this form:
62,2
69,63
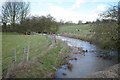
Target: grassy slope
45,63
103,34
39,52
10,42
84,33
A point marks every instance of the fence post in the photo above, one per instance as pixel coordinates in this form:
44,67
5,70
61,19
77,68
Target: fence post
24,53
28,51
14,57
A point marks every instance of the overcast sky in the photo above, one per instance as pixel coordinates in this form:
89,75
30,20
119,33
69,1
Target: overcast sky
70,10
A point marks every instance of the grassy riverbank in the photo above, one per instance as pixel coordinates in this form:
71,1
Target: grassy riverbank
83,31
102,34
44,56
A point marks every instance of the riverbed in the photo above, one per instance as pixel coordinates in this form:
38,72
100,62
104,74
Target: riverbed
86,64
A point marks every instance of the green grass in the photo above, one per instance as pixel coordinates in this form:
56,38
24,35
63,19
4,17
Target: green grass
18,42
11,33
51,58
83,32
83,29
40,51
102,34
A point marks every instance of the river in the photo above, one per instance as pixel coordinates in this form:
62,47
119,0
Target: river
84,65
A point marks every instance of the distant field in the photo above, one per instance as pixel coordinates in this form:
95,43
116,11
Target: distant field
77,31
103,34
38,49
11,33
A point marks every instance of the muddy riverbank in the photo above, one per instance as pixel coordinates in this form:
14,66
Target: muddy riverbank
111,72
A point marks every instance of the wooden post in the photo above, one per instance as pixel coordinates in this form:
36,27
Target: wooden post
15,55
28,51
24,53
14,61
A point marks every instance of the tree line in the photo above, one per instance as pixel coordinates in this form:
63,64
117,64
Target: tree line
15,18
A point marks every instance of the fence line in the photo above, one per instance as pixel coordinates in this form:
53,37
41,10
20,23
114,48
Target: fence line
28,51
14,61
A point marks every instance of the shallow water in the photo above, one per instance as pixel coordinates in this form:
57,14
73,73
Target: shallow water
84,65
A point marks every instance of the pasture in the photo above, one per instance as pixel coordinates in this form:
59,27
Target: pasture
43,55
103,34
83,31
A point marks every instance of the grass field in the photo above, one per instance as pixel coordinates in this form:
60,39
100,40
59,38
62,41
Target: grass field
11,33
103,34
83,29
83,32
42,56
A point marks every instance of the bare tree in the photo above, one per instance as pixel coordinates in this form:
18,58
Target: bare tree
111,13
24,11
14,12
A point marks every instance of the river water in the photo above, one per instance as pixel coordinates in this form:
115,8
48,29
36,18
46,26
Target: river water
84,65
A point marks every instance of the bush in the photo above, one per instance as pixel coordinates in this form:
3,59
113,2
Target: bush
106,34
